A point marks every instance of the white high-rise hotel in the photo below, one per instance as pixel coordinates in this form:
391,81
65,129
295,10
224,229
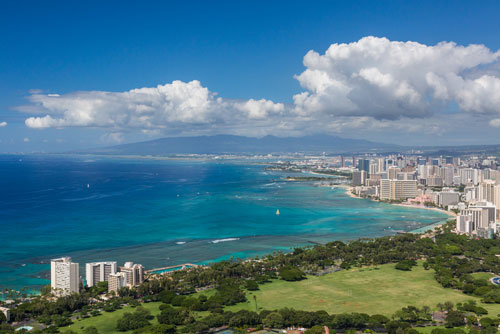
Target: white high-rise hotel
64,276
99,272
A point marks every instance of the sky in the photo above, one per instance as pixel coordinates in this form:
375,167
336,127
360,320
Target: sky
83,74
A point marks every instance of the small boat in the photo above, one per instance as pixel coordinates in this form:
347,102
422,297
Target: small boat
88,185
278,212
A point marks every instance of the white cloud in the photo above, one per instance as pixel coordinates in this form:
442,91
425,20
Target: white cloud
3,124
372,85
260,109
495,122
389,80
178,105
112,138
26,140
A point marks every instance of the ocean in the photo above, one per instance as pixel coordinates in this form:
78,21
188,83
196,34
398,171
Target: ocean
169,211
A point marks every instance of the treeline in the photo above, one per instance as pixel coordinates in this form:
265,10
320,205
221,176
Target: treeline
181,319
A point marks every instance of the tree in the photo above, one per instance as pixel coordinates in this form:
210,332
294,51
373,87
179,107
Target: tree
252,285
315,330
405,265
291,274
166,296
91,330
130,321
273,320
163,329
455,319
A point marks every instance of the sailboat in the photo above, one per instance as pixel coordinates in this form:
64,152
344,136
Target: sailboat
278,212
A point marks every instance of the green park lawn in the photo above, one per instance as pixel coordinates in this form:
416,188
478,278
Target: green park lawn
106,322
381,290
482,275
428,329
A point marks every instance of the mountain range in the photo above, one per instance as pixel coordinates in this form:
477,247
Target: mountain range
220,144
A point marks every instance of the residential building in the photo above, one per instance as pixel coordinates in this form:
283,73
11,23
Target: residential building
468,175
64,276
358,178
99,272
117,281
364,165
393,172
487,191
447,198
135,273
434,181
483,215
447,174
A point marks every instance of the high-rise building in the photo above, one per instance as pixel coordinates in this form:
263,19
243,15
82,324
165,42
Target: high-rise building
421,161
484,215
64,276
99,272
446,198
381,165
393,172
398,189
468,175
465,224
358,178
487,191
364,164
434,181
117,281
135,273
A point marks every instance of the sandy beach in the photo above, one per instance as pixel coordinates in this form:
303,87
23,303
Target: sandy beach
348,191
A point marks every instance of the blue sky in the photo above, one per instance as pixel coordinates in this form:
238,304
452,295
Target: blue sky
239,49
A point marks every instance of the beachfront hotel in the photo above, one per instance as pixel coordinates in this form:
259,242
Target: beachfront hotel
64,276
96,272
397,189
135,273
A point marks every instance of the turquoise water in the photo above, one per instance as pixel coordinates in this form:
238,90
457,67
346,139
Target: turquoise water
167,212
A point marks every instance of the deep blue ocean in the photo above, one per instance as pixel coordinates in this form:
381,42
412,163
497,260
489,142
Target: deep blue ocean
166,212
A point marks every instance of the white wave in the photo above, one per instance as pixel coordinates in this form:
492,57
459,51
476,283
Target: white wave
180,242
223,240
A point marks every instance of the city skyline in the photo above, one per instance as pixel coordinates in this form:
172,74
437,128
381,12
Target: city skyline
411,73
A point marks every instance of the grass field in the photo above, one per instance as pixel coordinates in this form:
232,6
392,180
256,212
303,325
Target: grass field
368,290
106,323
381,290
485,276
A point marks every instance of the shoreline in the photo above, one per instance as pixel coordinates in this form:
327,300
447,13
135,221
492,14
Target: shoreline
348,191
157,249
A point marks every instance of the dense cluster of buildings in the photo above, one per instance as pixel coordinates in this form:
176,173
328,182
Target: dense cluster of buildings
65,278
469,186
